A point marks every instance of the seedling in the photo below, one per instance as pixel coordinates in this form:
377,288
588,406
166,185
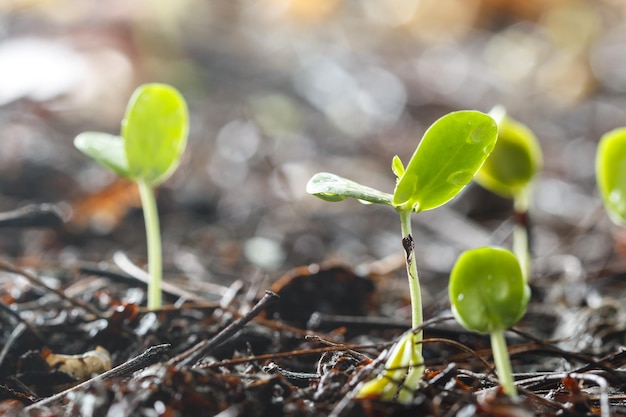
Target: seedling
611,174
509,172
447,158
489,294
153,138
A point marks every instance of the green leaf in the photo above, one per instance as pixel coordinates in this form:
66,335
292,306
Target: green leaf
447,158
487,290
397,167
106,149
611,174
515,159
331,187
155,131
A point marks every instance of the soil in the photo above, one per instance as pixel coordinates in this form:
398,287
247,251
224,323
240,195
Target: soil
276,303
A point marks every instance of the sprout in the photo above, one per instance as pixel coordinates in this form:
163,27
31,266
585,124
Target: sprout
509,172
611,174
153,138
445,161
488,294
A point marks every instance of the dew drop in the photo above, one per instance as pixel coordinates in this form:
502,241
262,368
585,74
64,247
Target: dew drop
476,137
460,297
616,197
460,178
489,148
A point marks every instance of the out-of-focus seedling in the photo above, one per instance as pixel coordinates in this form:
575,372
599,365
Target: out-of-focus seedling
489,294
509,172
153,138
611,174
445,161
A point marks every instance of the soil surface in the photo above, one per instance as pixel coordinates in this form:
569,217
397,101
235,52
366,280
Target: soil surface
276,303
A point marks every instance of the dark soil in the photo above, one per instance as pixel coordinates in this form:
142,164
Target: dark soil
277,94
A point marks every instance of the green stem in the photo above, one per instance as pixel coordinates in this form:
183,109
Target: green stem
153,236
503,363
411,269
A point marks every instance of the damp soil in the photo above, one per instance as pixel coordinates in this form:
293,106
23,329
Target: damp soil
276,303
78,340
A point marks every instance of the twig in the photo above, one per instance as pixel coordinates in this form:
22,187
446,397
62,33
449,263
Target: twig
32,215
356,384
596,379
203,348
17,332
125,264
19,319
548,348
272,368
341,346
231,293
147,358
34,280
462,347
290,354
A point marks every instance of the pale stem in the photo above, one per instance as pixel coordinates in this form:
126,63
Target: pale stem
411,269
153,236
503,363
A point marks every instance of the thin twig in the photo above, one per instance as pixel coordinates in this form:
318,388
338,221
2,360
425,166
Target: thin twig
356,383
462,347
13,313
150,356
341,346
203,348
290,354
548,348
17,332
34,280
596,379
125,264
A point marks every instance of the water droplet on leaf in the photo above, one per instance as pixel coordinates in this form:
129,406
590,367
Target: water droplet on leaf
476,137
460,178
616,197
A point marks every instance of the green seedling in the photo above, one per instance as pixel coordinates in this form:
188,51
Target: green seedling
509,172
489,294
153,138
445,161
611,174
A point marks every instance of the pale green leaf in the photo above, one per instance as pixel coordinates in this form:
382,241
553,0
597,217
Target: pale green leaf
397,167
155,130
331,187
106,149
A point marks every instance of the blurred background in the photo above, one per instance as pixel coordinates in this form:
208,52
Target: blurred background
281,89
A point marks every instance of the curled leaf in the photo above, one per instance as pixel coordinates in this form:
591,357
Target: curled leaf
404,369
106,149
331,187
